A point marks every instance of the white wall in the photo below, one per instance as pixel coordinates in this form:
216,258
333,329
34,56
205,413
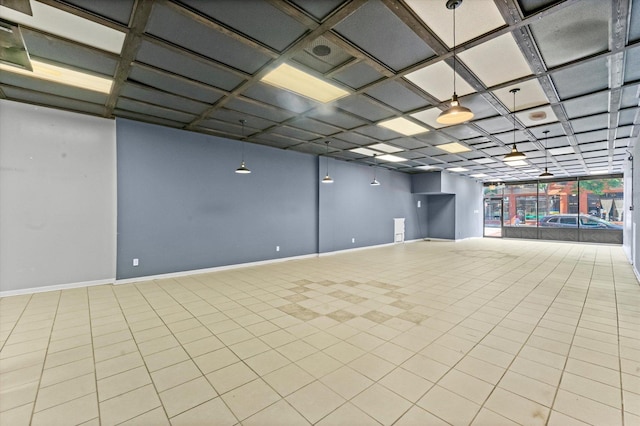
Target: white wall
57,198
632,217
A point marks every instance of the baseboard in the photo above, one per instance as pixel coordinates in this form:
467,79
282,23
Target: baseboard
330,253
209,270
55,287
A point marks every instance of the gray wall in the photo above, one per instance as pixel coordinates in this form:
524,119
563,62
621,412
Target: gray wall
350,208
469,204
441,213
455,204
181,207
57,197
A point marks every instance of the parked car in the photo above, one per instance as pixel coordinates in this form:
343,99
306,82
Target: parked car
571,221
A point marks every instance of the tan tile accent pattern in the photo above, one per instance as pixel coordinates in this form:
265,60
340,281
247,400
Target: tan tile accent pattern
479,332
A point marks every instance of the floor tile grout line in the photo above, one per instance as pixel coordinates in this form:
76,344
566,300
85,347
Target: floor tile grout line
586,297
44,362
191,358
524,343
615,295
141,356
15,324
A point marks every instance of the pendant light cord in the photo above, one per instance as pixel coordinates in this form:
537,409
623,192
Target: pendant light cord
454,50
243,141
514,116
546,137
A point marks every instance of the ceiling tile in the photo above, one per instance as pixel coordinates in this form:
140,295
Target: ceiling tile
587,105
473,18
437,80
364,107
397,96
119,11
590,123
55,21
254,21
162,98
534,116
632,65
573,32
61,51
587,77
482,60
170,60
318,9
203,39
405,48
279,97
357,75
530,95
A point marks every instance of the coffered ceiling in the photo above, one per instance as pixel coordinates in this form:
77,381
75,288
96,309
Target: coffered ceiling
200,65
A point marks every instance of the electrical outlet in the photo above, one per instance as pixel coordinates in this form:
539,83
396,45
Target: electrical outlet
136,262
277,248
353,240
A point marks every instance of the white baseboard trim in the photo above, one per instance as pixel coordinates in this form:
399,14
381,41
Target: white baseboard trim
330,253
209,270
56,287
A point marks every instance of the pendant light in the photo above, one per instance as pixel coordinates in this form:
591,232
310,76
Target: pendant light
456,113
327,178
375,182
514,155
243,168
546,173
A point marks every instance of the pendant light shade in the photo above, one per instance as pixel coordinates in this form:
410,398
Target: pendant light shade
456,113
327,178
375,182
546,173
243,170
514,155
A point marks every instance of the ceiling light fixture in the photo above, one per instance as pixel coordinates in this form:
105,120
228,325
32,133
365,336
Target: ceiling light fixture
403,126
546,173
66,76
327,178
294,80
456,113
514,155
243,170
375,182
453,147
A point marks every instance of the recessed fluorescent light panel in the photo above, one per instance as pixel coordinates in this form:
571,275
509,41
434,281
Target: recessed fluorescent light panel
294,80
364,151
479,175
385,148
562,151
403,126
391,158
458,169
453,147
484,160
426,167
61,75
598,172
67,25
516,163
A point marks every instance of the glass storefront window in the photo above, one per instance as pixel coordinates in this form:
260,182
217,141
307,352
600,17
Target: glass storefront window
557,207
603,198
520,206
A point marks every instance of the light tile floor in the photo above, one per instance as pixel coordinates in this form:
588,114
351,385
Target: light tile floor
481,332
